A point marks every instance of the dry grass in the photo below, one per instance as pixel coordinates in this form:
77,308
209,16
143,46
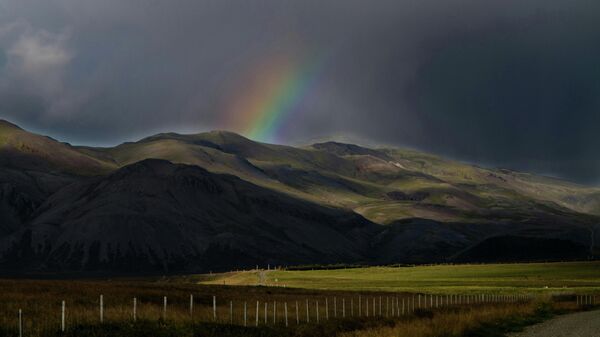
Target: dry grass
41,304
41,300
449,323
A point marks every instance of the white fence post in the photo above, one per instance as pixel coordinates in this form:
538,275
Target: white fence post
257,309
20,323
214,308
334,306
134,309
286,315
192,306
62,317
101,308
307,313
165,308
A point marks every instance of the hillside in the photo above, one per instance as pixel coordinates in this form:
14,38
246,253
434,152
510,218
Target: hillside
24,150
154,215
110,203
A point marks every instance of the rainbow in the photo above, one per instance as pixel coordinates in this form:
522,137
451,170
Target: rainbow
272,93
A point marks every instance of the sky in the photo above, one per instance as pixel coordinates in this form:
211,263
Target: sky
512,84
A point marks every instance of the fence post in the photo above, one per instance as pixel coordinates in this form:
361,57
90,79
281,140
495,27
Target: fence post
165,308
307,313
134,309
297,314
20,323
402,306
317,311
192,306
380,307
257,308
285,312
274,312
62,317
231,312
326,308
101,308
343,307
335,307
245,313
214,308
266,313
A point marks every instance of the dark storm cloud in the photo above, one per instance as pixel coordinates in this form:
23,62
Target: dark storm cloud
503,83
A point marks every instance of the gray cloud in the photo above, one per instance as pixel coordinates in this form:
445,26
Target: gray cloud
503,83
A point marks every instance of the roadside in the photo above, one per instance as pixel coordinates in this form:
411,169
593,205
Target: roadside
581,324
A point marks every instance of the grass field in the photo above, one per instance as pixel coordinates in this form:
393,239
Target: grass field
337,297
580,277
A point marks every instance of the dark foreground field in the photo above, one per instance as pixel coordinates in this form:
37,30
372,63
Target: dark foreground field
281,311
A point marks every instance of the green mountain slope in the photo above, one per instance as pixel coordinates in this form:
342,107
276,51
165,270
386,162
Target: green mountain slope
22,149
383,185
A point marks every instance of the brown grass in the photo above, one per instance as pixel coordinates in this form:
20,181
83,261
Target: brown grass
456,322
41,303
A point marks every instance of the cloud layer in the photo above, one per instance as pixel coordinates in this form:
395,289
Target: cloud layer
503,83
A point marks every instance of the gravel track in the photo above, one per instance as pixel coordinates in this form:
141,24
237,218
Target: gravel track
582,324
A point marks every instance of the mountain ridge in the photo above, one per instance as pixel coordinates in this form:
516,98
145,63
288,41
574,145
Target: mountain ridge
421,207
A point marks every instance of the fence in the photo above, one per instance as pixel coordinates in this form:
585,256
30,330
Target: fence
256,312
282,313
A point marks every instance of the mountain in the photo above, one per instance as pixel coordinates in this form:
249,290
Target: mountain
24,150
155,216
151,205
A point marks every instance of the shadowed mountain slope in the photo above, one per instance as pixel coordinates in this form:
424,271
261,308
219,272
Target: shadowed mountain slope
154,215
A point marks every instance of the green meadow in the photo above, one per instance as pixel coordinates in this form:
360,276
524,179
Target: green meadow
567,277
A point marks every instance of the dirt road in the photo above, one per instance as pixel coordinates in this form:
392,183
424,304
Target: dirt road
582,324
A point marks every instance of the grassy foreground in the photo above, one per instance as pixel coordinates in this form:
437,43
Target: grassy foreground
475,321
568,277
347,292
